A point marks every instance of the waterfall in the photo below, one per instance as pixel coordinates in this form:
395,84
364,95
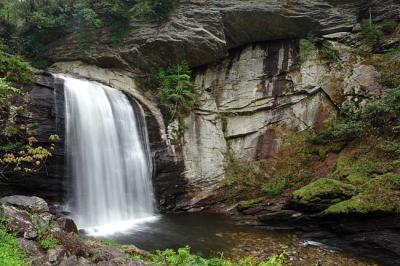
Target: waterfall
108,154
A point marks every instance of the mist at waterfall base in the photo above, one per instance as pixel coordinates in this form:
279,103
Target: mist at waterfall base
109,158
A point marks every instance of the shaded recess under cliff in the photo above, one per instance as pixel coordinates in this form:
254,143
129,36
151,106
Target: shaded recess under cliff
202,32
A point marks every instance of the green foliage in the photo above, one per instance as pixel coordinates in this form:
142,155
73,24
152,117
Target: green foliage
11,147
154,9
176,91
14,69
48,242
6,90
183,257
26,159
375,31
382,114
324,188
392,149
31,25
10,253
370,31
243,173
329,53
338,132
109,242
275,186
307,47
292,166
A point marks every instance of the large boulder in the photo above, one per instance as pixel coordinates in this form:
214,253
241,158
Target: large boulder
31,204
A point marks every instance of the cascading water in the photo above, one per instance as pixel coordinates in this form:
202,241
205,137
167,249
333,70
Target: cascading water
108,156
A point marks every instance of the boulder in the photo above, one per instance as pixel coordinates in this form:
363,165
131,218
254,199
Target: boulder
18,221
72,244
67,224
31,204
55,256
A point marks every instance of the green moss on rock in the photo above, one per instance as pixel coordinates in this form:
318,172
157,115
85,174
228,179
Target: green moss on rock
359,164
381,194
323,188
249,203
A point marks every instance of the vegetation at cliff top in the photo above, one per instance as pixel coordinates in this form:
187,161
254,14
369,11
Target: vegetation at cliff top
29,26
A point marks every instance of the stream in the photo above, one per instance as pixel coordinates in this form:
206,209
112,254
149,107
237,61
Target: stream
211,235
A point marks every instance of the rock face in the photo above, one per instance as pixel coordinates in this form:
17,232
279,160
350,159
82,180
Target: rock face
42,111
202,32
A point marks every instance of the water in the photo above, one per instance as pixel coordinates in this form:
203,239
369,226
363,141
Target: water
109,158
214,234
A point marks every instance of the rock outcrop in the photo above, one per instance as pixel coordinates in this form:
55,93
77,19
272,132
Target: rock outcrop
202,32
29,219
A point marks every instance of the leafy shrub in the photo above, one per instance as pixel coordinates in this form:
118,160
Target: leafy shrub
392,149
376,116
183,257
275,186
176,91
6,90
48,242
338,132
154,9
370,31
14,69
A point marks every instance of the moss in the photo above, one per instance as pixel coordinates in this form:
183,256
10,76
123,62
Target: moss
275,186
359,163
382,194
324,188
307,47
249,203
293,164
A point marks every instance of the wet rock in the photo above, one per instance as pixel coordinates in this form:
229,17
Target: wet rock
31,204
67,224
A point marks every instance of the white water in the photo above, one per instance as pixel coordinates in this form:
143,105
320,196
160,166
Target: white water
109,158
